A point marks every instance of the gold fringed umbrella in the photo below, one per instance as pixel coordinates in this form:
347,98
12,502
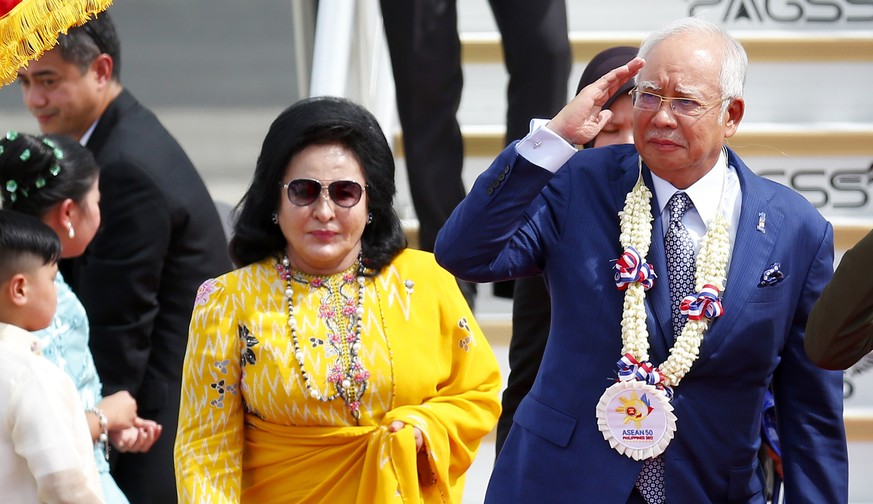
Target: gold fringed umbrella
29,28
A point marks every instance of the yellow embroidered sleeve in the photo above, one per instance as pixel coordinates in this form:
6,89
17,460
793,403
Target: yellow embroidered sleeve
209,440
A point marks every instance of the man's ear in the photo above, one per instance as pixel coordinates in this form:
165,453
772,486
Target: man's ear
733,116
102,66
16,289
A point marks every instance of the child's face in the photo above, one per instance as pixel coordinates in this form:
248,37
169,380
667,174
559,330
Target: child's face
42,296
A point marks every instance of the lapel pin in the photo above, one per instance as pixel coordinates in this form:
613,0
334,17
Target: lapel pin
762,221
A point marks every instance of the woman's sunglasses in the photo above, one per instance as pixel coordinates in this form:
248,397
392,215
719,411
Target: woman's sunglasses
344,193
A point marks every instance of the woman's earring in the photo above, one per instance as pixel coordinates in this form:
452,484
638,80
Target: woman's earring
370,218
70,231
275,218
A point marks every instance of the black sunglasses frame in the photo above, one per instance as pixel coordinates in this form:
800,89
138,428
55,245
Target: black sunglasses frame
333,188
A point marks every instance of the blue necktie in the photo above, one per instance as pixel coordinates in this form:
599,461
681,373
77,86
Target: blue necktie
679,249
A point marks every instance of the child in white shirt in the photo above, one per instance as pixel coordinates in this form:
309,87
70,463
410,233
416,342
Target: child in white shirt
46,453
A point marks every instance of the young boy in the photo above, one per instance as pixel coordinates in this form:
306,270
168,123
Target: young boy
45,449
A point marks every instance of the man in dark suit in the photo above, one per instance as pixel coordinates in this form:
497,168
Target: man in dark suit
425,49
160,238
678,424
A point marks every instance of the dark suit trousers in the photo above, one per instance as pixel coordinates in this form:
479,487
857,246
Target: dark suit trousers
425,53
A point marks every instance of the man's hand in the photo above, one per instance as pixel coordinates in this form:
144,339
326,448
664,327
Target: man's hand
583,118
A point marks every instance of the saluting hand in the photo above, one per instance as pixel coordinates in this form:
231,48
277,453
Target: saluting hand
583,118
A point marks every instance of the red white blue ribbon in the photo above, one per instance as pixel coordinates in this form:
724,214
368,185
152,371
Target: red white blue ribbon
630,369
630,268
704,304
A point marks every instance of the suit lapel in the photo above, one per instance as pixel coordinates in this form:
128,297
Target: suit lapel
751,250
658,297
110,118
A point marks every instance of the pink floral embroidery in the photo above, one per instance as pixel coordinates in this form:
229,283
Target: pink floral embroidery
350,307
204,291
325,311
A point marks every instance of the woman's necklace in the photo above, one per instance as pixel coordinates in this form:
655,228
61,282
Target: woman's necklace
635,414
342,310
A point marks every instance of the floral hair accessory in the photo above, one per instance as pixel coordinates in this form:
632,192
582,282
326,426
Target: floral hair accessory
11,188
17,188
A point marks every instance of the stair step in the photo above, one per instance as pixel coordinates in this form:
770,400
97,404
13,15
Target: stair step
781,47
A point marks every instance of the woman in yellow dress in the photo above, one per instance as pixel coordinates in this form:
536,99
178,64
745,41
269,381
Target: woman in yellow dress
335,365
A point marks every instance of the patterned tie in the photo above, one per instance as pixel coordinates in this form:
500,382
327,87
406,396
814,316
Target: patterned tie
680,258
680,268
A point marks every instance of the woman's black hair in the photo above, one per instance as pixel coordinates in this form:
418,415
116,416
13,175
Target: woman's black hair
318,121
38,172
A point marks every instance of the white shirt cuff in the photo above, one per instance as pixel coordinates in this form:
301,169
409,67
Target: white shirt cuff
544,148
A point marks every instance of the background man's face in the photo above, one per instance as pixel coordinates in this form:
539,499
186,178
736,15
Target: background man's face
61,98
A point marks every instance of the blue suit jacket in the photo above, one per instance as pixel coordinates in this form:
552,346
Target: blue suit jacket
520,219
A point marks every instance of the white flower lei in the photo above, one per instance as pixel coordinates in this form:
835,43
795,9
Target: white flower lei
712,260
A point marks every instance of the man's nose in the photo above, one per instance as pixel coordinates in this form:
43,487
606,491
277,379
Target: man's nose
33,97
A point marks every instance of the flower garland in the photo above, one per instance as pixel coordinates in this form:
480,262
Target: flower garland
710,277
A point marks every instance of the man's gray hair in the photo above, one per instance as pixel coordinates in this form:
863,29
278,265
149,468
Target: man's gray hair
735,62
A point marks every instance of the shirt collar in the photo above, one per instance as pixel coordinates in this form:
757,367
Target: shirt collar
19,338
705,193
87,136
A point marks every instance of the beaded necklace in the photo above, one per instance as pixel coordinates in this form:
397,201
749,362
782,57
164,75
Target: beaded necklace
342,312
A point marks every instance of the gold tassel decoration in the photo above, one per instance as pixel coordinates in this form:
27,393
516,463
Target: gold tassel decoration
32,27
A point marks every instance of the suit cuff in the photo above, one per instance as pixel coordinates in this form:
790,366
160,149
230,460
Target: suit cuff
544,148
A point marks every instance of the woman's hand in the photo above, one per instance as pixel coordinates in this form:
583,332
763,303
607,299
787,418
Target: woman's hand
138,438
396,425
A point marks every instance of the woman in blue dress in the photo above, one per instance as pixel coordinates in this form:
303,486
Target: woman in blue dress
56,179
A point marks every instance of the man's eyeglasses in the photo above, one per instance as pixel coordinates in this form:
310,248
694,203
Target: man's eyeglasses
344,193
651,102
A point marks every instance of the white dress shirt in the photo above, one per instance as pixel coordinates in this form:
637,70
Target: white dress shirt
46,454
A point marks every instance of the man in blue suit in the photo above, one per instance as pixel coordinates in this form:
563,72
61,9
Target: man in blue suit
609,228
